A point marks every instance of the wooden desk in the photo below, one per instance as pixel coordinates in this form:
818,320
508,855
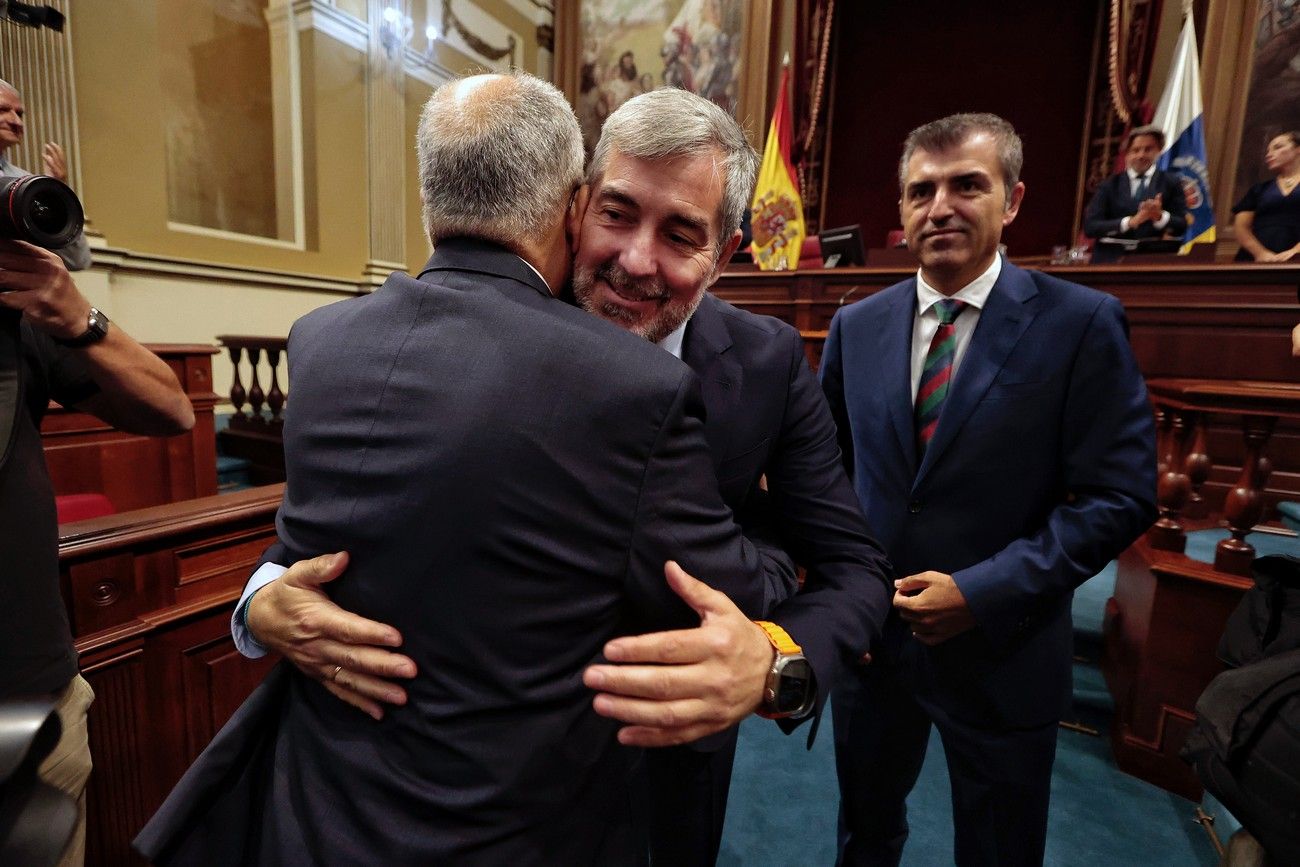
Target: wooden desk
149,596
1187,320
1196,321
85,455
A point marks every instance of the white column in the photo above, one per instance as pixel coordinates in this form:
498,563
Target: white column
286,113
385,147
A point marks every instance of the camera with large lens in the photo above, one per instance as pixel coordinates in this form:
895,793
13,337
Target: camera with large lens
40,210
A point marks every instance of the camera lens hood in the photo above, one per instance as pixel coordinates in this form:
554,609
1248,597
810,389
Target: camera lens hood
40,210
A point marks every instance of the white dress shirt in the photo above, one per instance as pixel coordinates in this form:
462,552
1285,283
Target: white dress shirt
926,322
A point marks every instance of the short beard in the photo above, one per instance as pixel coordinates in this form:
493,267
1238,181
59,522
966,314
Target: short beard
654,328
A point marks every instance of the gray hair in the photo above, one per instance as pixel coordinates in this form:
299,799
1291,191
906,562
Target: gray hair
953,130
4,85
670,122
500,157
1150,129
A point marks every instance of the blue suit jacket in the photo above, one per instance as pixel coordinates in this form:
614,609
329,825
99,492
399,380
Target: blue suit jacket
509,475
1041,470
766,415
1114,201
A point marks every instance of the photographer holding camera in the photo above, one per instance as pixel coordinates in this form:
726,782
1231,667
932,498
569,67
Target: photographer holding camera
76,255
54,344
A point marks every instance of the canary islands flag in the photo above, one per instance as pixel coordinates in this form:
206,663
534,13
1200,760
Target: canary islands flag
1180,116
777,210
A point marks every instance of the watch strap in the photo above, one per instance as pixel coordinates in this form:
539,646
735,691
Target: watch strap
96,329
780,639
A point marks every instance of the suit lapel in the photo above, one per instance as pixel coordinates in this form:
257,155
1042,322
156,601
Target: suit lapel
705,350
896,355
1126,190
1002,322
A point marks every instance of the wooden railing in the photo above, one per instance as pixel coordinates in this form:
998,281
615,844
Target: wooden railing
254,432
1184,408
1163,624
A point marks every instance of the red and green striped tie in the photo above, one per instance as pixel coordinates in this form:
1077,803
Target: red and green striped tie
937,372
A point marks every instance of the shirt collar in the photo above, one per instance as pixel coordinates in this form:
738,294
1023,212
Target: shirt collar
974,293
538,273
1133,176
673,342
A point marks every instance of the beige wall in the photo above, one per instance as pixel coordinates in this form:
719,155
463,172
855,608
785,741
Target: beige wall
163,283
124,156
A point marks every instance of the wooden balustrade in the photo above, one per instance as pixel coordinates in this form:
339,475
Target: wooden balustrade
1184,408
1163,624
255,435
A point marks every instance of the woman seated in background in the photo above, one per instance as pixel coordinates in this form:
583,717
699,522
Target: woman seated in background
1268,217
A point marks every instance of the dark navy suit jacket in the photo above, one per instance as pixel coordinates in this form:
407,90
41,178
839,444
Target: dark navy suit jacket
767,415
1114,201
509,475
1041,470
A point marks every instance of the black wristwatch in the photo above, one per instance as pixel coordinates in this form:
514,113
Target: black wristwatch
789,691
96,329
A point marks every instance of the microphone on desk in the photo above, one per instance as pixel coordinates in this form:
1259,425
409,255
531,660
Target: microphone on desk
847,295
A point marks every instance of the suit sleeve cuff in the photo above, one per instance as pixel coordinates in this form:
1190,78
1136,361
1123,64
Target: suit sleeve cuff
245,643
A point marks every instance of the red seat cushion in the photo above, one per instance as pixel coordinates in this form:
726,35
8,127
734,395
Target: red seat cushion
79,507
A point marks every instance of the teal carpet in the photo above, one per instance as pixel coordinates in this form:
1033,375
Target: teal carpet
784,799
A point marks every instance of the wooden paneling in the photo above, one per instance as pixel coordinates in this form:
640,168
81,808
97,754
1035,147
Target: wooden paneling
1194,321
150,593
901,63
85,455
1161,630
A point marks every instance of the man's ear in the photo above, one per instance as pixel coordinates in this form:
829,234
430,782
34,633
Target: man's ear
577,210
1013,204
728,249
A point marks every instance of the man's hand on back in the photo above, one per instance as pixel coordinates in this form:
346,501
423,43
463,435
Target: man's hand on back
294,617
677,687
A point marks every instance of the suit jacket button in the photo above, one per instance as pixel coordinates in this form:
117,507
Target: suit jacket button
914,507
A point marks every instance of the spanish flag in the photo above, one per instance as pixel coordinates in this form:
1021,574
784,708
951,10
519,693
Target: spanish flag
777,209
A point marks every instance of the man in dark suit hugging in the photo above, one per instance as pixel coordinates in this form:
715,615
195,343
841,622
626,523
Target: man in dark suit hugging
668,184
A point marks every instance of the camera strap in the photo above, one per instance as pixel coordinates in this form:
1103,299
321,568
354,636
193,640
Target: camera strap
11,379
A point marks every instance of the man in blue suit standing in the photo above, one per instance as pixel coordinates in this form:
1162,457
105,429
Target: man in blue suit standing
998,434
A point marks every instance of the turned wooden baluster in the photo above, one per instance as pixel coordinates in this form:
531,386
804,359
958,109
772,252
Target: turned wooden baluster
1173,485
1197,466
256,397
1244,505
1164,425
274,397
237,393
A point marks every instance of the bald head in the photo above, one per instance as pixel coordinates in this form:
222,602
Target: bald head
500,156
11,116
